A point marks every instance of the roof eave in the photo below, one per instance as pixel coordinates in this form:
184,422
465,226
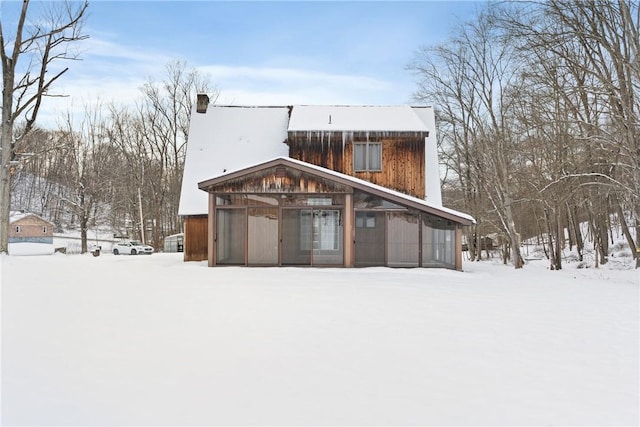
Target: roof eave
349,181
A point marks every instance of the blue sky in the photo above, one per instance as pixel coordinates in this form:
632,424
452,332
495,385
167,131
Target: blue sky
266,53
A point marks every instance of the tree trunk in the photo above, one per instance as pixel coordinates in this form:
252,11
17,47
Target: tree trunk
477,250
514,236
552,253
84,220
575,225
637,237
83,217
473,244
559,239
571,234
6,146
625,229
505,252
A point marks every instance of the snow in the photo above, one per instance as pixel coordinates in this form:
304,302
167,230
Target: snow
71,241
432,172
397,118
225,139
133,340
18,215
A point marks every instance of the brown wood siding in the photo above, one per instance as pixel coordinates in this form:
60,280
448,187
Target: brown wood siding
324,149
195,238
280,180
403,156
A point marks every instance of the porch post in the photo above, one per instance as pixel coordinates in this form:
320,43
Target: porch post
211,238
349,231
458,247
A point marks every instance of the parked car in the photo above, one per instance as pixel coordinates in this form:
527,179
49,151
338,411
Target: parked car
131,247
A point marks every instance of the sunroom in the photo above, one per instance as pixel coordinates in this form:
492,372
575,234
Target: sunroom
290,213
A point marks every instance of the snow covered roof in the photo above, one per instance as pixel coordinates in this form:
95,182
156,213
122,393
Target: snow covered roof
400,118
18,215
432,170
229,138
358,183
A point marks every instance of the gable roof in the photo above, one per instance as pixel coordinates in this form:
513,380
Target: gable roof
356,183
15,216
226,138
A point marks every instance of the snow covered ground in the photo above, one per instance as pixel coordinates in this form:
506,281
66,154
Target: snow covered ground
150,340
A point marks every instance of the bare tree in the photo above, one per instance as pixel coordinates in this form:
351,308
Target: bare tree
539,116
88,168
165,113
590,51
444,80
137,168
41,46
471,77
152,141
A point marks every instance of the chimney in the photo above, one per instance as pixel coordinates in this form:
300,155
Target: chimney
202,103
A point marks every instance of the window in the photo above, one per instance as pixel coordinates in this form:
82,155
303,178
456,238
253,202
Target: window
367,156
403,239
17,228
320,230
312,237
44,229
365,219
438,242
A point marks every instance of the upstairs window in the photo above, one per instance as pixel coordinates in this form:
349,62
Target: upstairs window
44,229
367,157
17,228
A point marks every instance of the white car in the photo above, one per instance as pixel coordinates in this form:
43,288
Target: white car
131,247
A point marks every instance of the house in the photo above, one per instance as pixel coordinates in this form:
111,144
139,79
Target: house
343,186
29,234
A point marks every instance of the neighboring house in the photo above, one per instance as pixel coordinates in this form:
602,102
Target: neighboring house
316,185
30,234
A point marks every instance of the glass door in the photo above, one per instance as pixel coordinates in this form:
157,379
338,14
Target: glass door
262,244
312,237
370,238
231,225
297,236
327,237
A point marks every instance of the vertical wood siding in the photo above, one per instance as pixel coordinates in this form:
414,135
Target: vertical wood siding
195,238
403,156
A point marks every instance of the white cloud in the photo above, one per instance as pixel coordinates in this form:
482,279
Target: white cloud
108,72
113,72
270,85
106,49
284,74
